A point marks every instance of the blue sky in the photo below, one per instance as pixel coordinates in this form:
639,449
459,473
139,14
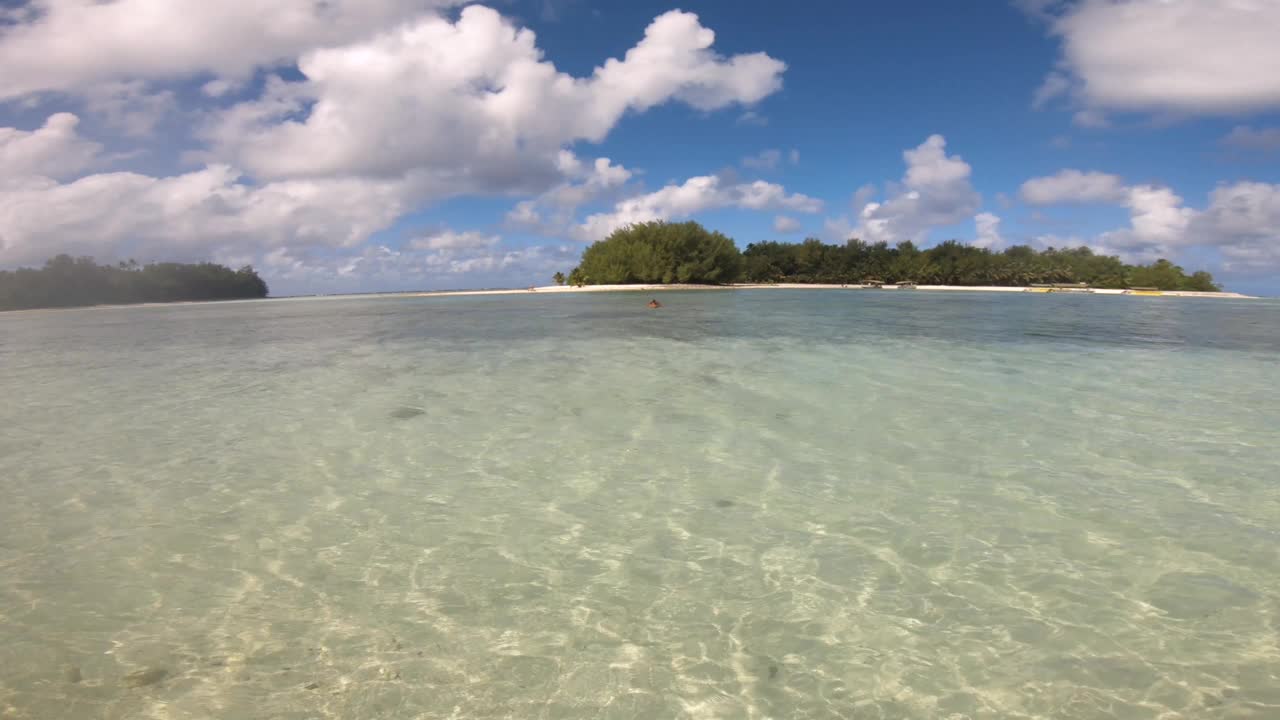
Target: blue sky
406,144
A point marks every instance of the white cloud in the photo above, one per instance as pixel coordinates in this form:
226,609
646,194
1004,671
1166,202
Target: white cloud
472,101
1242,220
697,194
592,182
380,267
1158,223
552,212
527,215
1180,56
935,191
452,240
761,195
1243,137
397,107
73,45
191,216
785,225
54,150
1073,186
129,106
988,226
490,262
794,156
862,197
1157,219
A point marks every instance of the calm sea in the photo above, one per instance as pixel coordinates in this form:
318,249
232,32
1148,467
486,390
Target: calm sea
767,504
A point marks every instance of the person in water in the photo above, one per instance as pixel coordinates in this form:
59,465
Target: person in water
654,304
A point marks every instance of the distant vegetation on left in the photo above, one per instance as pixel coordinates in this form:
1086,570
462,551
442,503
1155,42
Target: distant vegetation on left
65,281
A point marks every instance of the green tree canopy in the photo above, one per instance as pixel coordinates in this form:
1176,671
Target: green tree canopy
659,252
71,282
954,263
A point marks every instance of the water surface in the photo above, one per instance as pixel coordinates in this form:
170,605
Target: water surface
768,504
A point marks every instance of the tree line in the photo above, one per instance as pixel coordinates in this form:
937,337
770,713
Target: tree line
661,252
76,282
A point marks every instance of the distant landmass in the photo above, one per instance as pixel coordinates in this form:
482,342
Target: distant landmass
665,253
78,282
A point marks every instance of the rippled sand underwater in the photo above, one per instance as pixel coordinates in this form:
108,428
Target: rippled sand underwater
764,504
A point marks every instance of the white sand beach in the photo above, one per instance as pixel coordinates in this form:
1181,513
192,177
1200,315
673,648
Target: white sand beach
555,289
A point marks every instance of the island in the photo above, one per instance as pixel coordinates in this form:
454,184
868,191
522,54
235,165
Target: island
80,282
662,253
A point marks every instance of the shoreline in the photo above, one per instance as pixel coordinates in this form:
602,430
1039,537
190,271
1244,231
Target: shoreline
565,289
562,289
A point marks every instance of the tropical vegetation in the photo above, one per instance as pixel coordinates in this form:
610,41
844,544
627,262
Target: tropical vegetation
73,282
658,252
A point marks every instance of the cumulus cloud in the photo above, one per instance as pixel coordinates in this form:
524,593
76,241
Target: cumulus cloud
586,182
74,45
988,227
55,150
862,197
1180,56
129,106
552,212
472,100
191,216
1073,186
785,225
935,191
1242,220
697,194
392,107
1158,221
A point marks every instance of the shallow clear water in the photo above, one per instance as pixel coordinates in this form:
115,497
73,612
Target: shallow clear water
769,504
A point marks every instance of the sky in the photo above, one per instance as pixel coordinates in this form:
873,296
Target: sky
381,145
